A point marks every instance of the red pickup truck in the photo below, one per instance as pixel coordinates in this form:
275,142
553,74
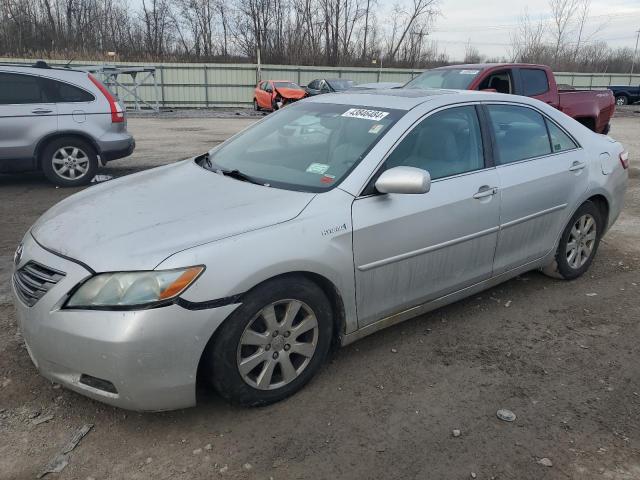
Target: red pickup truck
592,108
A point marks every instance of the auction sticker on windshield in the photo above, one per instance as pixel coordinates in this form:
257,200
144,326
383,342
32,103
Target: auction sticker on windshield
318,168
468,72
365,114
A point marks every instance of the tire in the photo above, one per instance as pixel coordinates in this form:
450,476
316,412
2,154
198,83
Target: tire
622,100
267,376
256,107
586,236
67,157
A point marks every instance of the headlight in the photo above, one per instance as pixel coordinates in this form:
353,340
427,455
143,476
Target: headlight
127,289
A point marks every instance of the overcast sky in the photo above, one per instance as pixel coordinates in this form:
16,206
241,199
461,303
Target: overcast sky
487,23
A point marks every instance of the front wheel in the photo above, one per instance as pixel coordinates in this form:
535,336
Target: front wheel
578,244
273,344
256,107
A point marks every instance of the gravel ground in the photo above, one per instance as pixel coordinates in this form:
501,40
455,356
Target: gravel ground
562,355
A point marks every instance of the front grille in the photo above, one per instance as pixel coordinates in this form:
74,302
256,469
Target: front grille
33,280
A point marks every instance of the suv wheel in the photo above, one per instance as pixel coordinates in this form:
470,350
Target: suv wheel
273,344
69,162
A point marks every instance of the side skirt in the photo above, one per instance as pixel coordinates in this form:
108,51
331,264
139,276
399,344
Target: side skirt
444,300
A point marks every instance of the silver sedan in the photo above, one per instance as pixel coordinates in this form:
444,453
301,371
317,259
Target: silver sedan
329,220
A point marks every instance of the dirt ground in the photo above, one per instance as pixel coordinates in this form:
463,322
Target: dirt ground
562,355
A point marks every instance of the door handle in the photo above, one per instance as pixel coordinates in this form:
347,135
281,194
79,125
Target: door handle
40,111
485,191
575,166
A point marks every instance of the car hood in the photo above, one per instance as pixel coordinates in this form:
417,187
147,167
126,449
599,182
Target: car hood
134,223
293,93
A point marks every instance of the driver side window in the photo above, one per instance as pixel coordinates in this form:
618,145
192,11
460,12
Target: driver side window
446,143
499,81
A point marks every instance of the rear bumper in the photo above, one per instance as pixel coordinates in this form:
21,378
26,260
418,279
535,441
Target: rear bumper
115,149
149,357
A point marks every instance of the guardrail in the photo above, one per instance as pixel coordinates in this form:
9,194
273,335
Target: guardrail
199,85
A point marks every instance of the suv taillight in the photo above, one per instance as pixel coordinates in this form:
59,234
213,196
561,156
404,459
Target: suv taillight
117,112
624,159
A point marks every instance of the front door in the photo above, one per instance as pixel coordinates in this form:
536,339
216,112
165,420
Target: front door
26,116
542,176
409,249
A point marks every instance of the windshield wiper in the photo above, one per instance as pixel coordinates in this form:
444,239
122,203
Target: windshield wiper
238,175
233,173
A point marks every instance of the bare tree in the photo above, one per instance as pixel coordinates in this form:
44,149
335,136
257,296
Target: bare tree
471,53
527,41
404,21
562,14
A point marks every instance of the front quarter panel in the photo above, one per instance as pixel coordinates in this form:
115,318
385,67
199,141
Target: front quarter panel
318,241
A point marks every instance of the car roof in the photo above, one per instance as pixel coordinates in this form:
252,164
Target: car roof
484,66
408,98
36,67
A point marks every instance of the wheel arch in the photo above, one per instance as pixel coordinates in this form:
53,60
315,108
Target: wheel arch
602,203
588,121
328,288
63,134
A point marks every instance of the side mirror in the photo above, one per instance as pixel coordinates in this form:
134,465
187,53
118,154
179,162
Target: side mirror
404,180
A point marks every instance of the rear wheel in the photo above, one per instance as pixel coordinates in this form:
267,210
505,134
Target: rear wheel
273,344
256,107
69,162
622,100
578,244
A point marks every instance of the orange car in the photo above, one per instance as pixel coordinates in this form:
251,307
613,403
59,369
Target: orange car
273,94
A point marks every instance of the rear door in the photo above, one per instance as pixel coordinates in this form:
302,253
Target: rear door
542,177
26,116
261,95
74,103
410,249
534,83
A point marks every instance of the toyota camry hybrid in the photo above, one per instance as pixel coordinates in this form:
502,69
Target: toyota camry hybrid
335,217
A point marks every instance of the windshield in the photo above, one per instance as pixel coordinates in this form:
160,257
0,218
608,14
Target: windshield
307,146
455,78
340,84
287,85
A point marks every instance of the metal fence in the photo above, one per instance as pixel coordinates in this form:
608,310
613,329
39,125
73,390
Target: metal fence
201,85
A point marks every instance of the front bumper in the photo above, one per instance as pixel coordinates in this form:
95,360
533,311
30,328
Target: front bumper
150,356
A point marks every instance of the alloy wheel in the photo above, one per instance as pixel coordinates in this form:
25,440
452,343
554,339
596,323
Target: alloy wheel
277,344
70,163
581,241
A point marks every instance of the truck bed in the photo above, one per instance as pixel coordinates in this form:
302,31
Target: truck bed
587,105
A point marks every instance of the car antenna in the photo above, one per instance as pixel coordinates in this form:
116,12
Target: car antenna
69,62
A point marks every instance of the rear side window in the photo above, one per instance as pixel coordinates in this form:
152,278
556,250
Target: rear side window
20,89
444,144
560,141
62,92
534,81
520,133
